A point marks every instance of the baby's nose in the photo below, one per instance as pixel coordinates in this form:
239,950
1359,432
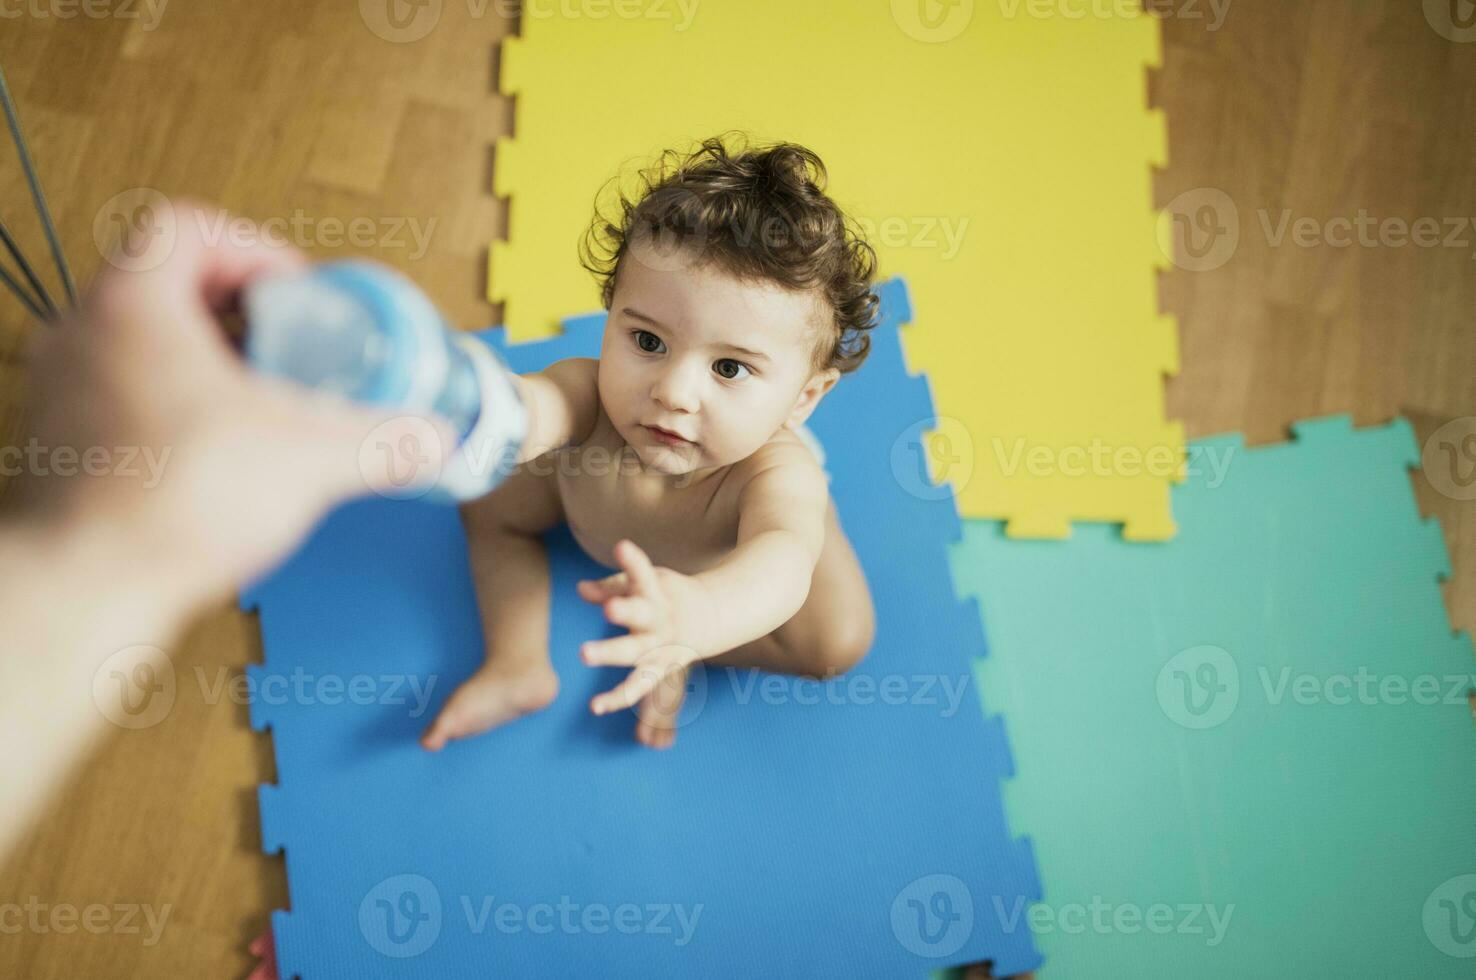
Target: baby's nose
676,391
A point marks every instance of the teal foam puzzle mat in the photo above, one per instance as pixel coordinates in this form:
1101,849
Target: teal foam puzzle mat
848,828
1249,750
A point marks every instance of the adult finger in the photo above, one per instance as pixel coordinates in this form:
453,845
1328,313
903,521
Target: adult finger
189,259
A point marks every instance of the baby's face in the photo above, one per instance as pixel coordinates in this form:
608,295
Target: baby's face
720,362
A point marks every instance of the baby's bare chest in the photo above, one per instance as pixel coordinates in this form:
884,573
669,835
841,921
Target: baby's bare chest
687,529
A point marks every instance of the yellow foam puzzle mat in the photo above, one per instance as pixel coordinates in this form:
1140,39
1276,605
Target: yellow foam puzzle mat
998,154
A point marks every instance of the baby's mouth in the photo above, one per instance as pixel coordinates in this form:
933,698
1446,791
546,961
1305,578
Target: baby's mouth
666,436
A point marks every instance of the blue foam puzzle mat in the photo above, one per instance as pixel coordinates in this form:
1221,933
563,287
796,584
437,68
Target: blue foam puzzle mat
853,828
1248,751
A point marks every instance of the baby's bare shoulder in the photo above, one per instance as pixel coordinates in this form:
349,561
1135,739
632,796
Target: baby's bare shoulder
782,469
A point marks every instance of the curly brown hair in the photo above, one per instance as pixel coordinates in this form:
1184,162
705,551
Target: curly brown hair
758,213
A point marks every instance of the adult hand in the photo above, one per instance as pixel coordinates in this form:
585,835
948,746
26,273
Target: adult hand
229,469
161,473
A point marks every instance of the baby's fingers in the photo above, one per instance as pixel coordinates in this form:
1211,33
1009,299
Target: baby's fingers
637,566
633,612
598,590
637,684
620,651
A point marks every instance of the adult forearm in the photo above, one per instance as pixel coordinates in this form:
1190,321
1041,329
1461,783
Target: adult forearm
67,604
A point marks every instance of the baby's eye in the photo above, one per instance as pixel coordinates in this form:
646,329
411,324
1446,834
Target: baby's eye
648,341
728,369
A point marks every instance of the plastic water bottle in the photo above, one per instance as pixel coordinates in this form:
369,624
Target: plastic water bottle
363,331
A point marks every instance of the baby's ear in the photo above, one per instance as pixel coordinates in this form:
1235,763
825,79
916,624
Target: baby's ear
820,382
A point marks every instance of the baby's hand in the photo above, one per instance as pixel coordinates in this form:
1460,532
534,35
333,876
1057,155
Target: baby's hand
660,607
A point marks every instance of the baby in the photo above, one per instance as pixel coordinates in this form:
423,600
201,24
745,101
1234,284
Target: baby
737,295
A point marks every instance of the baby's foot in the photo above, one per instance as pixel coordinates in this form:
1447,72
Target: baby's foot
657,714
492,696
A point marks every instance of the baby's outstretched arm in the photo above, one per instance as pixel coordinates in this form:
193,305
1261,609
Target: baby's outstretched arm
562,402
676,619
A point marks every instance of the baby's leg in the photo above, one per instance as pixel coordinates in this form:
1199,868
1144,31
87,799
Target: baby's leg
509,567
832,630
